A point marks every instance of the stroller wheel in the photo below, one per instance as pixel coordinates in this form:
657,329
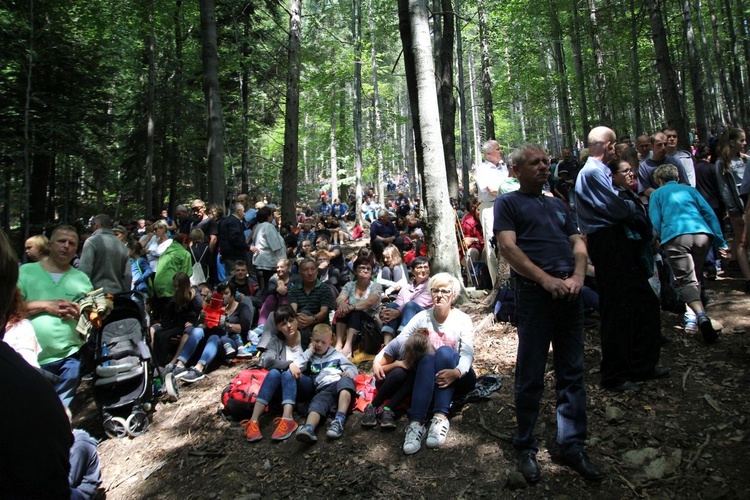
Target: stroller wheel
137,423
115,427
170,384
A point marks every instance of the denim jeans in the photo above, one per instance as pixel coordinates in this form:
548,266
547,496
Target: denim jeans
214,346
195,336
425,387
542,320
409,310
69,371
270,387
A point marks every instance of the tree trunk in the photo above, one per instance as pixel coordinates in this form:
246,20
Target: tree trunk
440,227
378,136
561,82
332,139
26,133
736,74
601,82
175,166
357,109
578,60
696,73
476,135
669,91
489,116
216,175
729,98
149,167
404,28
709,72
462,106
245,96
636,72
444,26
291,116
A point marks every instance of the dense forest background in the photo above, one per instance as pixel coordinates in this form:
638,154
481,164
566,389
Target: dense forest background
134,106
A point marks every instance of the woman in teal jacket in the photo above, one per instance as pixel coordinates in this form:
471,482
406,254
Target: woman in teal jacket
687,227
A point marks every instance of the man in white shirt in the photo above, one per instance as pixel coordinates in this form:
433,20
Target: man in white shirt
489,174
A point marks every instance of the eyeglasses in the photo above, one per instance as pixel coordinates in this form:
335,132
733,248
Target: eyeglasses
441,291
364,269
627,171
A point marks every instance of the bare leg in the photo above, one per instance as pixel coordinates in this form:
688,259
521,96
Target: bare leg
183,339
387,337
340,334
313,419
350,333
345,399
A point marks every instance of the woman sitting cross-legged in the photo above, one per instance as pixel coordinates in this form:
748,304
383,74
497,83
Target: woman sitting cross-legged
279,383
394,371
222,340
278,287
358,302
441,376
180,315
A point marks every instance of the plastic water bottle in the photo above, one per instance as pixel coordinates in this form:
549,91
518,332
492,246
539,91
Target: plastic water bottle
105,353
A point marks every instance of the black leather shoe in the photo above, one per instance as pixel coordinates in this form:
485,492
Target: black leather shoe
580,463
627,386
528,466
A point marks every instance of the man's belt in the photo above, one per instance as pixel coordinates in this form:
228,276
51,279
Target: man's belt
526,282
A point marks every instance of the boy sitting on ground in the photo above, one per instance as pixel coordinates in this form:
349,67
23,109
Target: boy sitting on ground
332,376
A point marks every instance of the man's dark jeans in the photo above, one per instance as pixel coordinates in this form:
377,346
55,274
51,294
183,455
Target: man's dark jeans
542,320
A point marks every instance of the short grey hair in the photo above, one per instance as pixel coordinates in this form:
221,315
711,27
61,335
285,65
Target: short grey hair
518,155
490,145
666,173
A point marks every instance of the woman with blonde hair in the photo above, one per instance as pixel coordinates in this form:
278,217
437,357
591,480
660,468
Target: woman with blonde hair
37,248
446,373
156,243
394,273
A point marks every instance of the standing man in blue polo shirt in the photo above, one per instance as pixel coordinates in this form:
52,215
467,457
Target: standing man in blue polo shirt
630,317
538,238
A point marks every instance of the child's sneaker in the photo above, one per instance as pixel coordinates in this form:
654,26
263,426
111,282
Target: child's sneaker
284,429
414,435
438,432
252,431
370,418
388,419
229,349
336,429
306,434
246,351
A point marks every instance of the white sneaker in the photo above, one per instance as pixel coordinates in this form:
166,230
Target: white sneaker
438,432
414,435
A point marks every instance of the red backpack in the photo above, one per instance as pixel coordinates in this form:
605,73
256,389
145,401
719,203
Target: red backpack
239,396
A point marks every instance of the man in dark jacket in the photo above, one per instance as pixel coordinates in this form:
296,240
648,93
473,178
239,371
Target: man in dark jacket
232,237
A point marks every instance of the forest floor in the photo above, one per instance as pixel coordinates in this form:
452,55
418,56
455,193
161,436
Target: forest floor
686,436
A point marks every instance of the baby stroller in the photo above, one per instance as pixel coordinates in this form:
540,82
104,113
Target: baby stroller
127,383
